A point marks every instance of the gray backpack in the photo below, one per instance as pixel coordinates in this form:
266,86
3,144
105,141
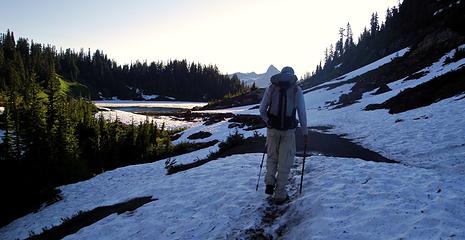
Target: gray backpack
283,101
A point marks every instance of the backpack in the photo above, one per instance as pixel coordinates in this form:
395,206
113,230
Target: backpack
283,102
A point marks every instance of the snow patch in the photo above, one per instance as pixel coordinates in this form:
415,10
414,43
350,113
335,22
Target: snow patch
410,141
149,97
355,199
438,11
220,131
129,118
209,202
152,104
369,67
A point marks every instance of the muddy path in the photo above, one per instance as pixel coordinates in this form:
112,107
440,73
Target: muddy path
326,144
337,146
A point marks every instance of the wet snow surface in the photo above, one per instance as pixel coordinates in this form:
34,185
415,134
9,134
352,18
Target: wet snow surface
423,197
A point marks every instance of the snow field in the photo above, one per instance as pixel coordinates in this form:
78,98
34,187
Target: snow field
427,137
149,104
206,202
421,198
372,66
355,199
220,132
128,118
220,196
342,198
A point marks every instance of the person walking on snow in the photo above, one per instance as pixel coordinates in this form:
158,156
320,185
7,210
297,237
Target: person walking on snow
278,109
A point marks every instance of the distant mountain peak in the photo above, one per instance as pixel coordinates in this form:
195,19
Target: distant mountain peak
261,80
272,68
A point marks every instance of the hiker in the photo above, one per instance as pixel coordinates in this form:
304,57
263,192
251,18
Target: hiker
278,109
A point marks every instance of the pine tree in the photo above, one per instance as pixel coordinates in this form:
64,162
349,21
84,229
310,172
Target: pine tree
331,52
339,51
7,152
326,56
253,87
374,24
34,130
13,113
349,43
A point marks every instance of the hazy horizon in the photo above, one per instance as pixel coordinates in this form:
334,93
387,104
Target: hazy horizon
237,36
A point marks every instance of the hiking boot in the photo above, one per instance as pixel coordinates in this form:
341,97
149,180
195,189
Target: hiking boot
278,201
269,189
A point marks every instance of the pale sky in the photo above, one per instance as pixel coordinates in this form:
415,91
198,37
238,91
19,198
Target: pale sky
236,35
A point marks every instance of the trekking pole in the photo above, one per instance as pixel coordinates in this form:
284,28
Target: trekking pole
260,173
303,166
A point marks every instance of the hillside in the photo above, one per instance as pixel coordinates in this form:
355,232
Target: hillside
413,36
23,60
420,197
431,28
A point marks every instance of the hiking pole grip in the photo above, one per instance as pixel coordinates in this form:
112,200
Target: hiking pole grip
303,166
260,172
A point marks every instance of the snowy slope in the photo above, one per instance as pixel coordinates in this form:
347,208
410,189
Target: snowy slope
372,66
261,80
403,140
354,199
421,198
220,198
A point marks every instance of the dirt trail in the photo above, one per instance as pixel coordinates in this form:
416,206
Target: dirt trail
337,146
321,143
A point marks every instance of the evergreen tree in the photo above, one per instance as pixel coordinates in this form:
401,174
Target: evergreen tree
339,51
349,42
374,24
7,153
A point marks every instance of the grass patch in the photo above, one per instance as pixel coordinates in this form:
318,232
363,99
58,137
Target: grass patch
74,89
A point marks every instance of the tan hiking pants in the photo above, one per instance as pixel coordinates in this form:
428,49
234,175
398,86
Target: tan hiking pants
281,153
